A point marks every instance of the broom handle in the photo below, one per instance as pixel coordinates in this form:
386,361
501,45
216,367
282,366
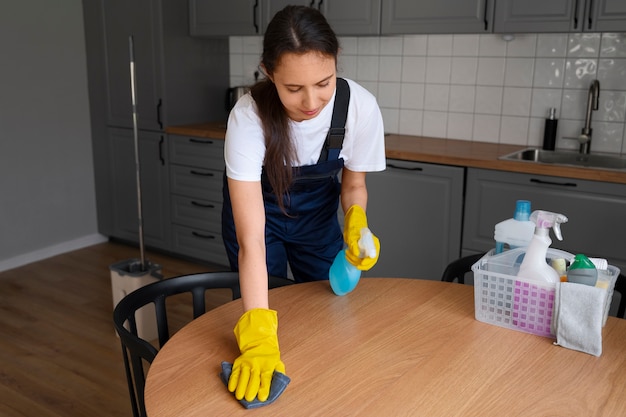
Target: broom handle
133,97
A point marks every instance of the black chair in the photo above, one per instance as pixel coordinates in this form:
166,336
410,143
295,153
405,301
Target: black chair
620,286
456,270
138,352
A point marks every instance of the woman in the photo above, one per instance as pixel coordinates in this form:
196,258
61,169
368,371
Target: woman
281,192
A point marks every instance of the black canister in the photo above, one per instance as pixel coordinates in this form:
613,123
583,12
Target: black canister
549,133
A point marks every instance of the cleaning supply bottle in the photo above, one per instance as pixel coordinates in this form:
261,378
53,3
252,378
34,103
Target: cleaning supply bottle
582,271
534,265
515,232
343,275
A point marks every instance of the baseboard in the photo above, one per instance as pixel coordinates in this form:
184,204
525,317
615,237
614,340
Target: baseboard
50,251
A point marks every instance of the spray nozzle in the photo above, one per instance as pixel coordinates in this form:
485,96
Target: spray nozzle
547,220
366,244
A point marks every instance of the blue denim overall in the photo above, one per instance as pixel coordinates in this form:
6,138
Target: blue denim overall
308,237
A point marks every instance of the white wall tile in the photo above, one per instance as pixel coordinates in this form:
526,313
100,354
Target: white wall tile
491,45
412,96
348,45
368,45
250,66
612,106
390,68
552,45
580,72
549,72
519,72
460,126
252,44
439,45
236,64
411,122
235,45
465,45
488,100
612,74
574,105
462,98
464,70
524,45
516,101
347,66
391,118
514,130
490,71
436,97
583,45
413,69
391,45
435,124
389,95
613,45
486,128
567,134
415,45
438,69
607,137
543,99
367,68
535,131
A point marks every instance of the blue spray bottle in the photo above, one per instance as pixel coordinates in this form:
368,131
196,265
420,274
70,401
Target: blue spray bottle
343,275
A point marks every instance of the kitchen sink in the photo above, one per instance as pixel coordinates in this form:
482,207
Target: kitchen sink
592,160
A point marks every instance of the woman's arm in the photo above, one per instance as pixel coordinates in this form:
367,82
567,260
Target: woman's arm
249,214
353,189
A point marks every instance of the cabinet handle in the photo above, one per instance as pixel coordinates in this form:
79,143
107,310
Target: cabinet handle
158,109
576,14
203,205
312,3
201,141
405,168
485,20
319,5
202,236
161,151
560,184
254,11
590,15
203,174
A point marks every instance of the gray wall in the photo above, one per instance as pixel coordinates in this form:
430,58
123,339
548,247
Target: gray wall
47,192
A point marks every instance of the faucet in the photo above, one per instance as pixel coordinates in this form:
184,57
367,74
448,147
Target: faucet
592,104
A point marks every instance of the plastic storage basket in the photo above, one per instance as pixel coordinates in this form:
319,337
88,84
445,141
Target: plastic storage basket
503,299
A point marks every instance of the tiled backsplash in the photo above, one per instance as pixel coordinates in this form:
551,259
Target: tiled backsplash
481,87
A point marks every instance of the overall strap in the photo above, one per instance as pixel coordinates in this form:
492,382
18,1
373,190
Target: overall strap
337,131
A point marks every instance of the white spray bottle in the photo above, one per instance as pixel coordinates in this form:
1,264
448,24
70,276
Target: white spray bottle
534,265
343,275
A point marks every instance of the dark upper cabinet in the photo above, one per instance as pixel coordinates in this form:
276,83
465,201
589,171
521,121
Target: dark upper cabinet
209,18
517,16
442,16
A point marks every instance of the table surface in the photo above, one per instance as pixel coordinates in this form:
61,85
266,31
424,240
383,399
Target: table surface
392,347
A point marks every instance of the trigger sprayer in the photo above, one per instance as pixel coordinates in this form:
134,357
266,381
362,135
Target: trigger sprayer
343,275
534,265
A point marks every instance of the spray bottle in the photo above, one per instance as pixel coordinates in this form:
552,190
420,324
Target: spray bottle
534,265
516,232
343,275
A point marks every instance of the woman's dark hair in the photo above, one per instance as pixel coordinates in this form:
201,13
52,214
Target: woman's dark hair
298,30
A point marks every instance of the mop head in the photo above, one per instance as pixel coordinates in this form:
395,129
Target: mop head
279,383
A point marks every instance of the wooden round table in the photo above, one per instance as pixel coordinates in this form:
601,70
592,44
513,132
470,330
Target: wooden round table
392,347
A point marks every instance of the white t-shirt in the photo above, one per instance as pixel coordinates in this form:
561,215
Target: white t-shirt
363,146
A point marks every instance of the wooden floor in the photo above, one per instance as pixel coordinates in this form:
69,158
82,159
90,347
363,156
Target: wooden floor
59,355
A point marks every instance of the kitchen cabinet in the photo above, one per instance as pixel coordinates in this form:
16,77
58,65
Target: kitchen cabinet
154,187
515,16
179,79
196,178
443,16
596,211
416,211
209,18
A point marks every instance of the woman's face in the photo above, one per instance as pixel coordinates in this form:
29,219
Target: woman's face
305,83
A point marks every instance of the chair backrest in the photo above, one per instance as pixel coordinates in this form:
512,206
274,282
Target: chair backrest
137,352
457,269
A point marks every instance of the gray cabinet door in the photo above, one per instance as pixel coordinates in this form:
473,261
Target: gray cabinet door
596,211
154,187
560,16
442,16
225,18
122,19
415,209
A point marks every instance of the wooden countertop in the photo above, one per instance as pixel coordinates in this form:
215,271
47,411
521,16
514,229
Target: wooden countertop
446,152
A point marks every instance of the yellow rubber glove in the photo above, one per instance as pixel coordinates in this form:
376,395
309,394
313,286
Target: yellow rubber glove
256,333
354,221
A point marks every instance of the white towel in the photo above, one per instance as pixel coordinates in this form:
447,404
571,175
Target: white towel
578,314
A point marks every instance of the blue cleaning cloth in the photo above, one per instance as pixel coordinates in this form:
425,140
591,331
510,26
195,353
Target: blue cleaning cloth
279,383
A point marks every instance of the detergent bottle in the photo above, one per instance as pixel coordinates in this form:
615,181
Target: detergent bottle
534,265
343,275
517,231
